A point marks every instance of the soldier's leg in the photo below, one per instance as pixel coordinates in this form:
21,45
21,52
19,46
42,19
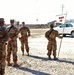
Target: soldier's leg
54,54
2,71
15,57
22,47
26,46
8,57
54,51
8,54
14,52
49,53
2,66
49,48
2,59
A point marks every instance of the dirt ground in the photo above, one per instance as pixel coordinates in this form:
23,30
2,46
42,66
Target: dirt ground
38,63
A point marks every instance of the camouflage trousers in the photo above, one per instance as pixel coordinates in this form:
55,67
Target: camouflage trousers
51,47
12,48
24,42
2,59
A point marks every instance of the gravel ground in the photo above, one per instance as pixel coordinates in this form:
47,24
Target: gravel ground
38,63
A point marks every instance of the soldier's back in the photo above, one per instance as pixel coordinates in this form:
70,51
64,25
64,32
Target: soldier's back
2,32
53,34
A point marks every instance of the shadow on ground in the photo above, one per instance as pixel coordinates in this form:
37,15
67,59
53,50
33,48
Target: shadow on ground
46,59
32,71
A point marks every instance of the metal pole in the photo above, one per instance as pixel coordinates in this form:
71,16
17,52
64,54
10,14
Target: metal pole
62,35
62,8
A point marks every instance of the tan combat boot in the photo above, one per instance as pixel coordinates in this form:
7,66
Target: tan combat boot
9,64
15,64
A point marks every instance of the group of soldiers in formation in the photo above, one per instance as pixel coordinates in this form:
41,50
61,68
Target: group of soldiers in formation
10,36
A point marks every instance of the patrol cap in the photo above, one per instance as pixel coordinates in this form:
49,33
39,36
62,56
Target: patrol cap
12,20
1,19
51,25
23,22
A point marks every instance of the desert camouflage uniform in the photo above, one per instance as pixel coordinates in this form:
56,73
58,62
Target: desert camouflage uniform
3,39
52,46
12,44
25,33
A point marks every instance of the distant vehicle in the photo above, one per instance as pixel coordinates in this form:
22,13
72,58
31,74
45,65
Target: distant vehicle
65,29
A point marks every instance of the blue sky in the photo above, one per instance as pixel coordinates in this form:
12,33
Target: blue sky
30,10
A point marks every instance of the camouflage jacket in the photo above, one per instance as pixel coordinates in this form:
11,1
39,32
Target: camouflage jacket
52,35
3,35
13,32
24,31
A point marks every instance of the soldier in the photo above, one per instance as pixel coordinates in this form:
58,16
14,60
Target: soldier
51,36
12,44
25,33
3,39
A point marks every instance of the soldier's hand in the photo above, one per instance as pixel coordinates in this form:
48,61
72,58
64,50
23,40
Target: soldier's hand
61,37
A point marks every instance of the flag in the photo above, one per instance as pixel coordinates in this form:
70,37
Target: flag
61,18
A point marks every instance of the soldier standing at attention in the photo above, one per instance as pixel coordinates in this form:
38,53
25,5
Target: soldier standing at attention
51,36
3,39
25,33
12,44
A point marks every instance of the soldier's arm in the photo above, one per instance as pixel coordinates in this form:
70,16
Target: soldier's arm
57,34
28,31
46,35
5,37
